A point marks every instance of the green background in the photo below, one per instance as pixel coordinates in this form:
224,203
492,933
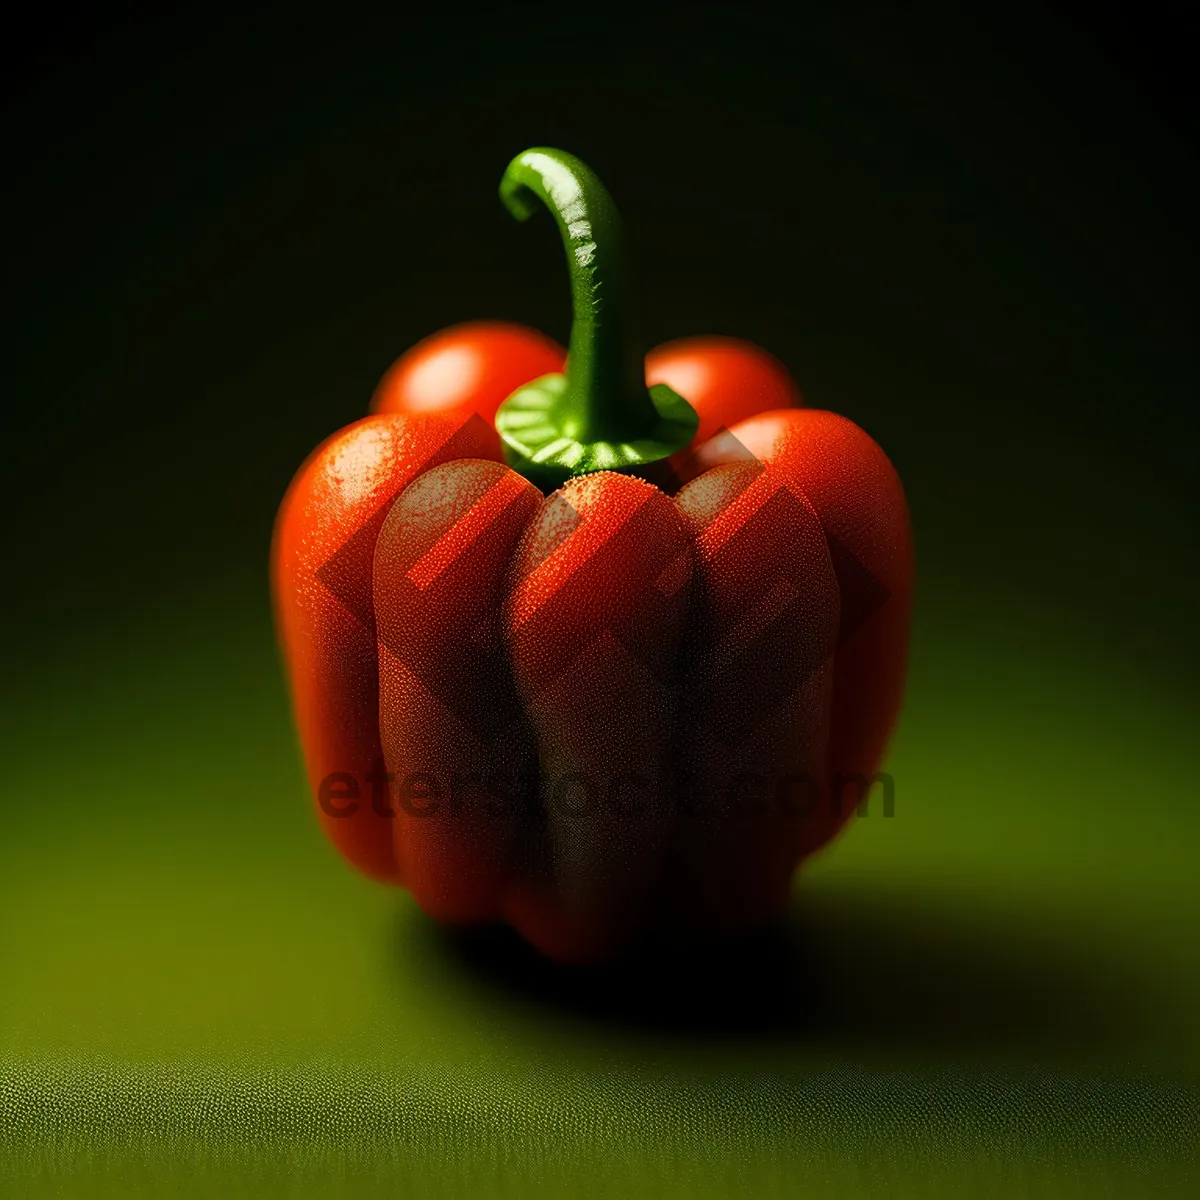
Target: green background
975,239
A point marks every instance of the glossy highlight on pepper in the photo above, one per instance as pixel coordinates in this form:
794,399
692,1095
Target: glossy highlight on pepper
591,640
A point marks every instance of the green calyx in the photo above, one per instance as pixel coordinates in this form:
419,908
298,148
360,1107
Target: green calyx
599,415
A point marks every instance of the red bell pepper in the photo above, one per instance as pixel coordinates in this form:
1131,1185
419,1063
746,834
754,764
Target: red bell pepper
590,641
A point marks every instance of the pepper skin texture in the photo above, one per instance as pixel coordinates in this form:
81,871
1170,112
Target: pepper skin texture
467,369
724,380
591,641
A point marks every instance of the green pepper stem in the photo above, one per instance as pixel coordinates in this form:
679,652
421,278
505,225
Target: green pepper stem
598,415
606,397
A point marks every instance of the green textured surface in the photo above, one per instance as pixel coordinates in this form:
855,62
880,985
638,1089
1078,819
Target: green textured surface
995,987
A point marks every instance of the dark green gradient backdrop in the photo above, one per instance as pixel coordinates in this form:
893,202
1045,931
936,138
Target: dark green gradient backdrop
976,240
